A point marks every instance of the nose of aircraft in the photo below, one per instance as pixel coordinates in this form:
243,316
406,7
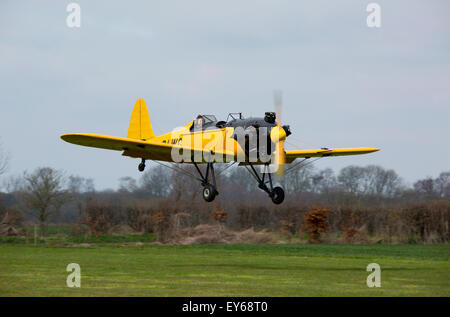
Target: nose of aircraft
277,134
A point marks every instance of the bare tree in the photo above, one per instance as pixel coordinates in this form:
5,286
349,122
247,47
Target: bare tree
324,182
429,188
183,185
43,194
425,188
127,184
381,182
4,160
370,180
157,181
350,178
442,185
82,189
13,184
239,176
78,184
298,181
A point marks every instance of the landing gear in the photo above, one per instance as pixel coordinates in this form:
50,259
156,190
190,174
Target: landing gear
141,166
209,190
276,194
209,193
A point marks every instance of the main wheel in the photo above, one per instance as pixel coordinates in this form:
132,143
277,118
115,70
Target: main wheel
278,195
141,167
209,193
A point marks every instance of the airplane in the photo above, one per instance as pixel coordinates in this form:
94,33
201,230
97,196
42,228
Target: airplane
247,141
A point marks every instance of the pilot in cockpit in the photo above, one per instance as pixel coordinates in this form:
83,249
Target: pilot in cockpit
199,122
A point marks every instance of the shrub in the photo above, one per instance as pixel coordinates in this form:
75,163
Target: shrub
351,233
287,228
139,217
315,222
100,217
220,216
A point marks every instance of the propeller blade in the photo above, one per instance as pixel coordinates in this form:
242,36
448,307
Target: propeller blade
279,136
280,154
277,101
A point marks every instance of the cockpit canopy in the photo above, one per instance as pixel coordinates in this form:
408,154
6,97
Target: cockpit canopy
235,116
204,121
209,121
209,118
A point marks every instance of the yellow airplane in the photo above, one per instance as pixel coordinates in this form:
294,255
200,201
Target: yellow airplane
205,140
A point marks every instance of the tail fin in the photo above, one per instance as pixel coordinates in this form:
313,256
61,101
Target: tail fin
140,127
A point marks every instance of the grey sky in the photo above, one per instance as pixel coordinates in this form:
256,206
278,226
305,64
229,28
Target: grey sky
344,84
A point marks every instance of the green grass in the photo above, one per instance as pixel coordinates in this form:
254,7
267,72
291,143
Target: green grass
60,234
225,270
52,229
147,237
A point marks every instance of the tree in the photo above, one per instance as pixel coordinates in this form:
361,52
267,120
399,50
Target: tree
324,181
82,189
370,180
299,180
350,178
429,188
156,181
43,194
442,185
381,182
425,188
127,184
4,160
78,184
239,176
185,186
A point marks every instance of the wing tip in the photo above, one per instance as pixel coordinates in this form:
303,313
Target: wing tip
70,137
65,137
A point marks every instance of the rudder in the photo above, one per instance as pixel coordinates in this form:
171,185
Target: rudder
140,127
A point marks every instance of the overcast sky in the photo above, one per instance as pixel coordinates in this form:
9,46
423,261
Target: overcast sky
344,84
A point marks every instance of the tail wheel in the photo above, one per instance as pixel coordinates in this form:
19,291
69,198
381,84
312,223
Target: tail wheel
209,193
141,167
277,195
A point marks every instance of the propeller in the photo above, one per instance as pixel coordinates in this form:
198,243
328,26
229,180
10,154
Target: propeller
278,135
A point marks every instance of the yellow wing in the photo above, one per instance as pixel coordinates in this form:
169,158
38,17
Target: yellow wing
131,147
292,155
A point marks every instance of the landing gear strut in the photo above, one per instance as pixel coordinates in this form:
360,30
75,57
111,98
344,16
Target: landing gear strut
275,193
209,190
141,166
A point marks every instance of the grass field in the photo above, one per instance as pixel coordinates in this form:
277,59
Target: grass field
225,270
